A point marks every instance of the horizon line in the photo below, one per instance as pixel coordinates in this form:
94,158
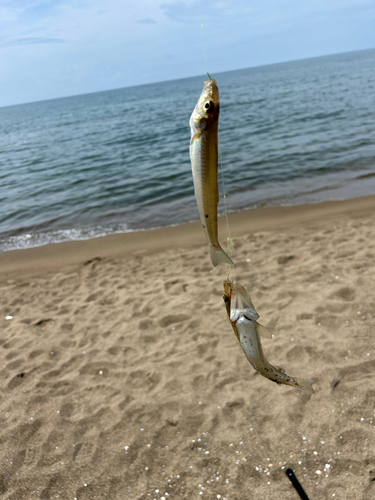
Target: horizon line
184,78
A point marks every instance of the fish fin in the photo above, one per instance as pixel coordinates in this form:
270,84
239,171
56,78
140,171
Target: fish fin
196,136
234,313
305,384
263,332
218,255
241,304
242,320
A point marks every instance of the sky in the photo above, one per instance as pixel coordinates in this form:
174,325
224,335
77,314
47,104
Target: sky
58,48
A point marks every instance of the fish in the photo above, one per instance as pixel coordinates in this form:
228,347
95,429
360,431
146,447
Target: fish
204,123
243,318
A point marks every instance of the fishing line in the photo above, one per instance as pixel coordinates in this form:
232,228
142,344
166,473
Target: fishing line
229,239
205,52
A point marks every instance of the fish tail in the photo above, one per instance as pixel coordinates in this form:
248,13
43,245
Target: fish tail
305,384
218,255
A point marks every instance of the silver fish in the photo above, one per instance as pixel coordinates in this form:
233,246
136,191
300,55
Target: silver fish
204,163
243,318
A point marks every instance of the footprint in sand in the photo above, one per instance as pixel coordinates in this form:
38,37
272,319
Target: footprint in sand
285,259
172,319
43,321
345,293
17,380
175,287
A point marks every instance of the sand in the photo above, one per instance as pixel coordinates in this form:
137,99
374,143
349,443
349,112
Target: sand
122,378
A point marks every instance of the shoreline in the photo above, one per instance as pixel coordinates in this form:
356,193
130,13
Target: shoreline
57,256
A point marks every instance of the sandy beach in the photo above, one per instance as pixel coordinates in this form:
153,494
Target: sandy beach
122,377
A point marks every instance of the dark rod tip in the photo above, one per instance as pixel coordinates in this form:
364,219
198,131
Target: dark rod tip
296,484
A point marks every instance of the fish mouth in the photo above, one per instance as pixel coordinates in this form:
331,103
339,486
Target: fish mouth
211,91
228,285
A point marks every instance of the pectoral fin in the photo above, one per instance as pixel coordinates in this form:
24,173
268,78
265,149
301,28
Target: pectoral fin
263,332
196,136
241,304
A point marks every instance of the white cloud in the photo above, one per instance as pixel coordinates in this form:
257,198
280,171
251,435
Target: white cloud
31,40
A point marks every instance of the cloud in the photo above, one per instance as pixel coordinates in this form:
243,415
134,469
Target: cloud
191,11
255,12
147,20
31,40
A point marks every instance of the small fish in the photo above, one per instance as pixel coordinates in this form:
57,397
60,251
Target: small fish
243,318
204,123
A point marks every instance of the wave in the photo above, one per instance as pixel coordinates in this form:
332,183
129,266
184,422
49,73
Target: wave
29,240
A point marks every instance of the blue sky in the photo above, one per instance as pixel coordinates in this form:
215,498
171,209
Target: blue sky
56,48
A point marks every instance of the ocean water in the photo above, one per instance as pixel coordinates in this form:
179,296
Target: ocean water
85,166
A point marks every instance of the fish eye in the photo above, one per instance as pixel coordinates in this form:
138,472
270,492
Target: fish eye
209,107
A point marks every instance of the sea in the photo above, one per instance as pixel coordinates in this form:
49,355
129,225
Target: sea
117,161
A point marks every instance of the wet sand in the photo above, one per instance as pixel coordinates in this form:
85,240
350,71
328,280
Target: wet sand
122,378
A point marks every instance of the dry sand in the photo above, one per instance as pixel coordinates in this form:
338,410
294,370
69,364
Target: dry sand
122,378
